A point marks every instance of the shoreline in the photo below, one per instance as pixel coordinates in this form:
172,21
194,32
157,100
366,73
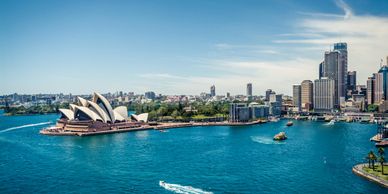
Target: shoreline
161,126
357,169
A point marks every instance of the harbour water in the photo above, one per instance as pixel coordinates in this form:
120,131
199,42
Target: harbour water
315,158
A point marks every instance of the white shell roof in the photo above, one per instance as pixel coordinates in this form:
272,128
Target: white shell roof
82,101
100,112
122,110
109,110
67,113
94,116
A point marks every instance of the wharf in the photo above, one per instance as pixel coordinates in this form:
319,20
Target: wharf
59,132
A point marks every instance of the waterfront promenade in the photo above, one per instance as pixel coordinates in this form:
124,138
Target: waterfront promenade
358,170
160,126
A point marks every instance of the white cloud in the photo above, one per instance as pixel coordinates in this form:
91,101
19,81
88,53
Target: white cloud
367,38
295,56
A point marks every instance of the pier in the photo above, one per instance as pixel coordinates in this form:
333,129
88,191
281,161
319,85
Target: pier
59,131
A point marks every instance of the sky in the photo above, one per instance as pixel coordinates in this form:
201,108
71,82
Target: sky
182,47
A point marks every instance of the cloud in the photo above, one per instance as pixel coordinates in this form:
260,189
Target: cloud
292,58
366,35
348,11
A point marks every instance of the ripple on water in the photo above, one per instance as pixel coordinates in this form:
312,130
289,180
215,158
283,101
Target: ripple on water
265,140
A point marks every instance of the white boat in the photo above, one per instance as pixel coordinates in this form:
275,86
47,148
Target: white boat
332,122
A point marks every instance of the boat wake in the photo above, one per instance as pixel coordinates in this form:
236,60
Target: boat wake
265,140
25,126
182,189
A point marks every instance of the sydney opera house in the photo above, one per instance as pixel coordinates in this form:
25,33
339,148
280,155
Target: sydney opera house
97,115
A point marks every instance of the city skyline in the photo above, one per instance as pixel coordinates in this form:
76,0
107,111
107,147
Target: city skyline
136,50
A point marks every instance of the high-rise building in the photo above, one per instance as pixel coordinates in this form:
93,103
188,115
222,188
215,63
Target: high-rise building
321,66
335,67
370,85
324,95
296,96
342,47
378,90
150,95
352,80
307,93
268,93
330,71
227,95
249,90
213,90
384,73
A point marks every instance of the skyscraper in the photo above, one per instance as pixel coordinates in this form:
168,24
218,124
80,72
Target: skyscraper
370,84
342,47
296,91
213,90
378,91
249,90
321,65
324,95
335,67
352,80
268,93
330,71
307,92
384,73
150,95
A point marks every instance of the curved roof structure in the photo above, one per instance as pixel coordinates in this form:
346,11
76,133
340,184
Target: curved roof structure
67,113
141,117
82,101
104,104
94,107
122,110
86,112
99,109
118,117
72,107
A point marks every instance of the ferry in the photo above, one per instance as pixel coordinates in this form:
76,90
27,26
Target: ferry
280,136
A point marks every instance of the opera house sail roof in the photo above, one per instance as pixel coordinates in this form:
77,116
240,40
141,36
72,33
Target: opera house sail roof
98,109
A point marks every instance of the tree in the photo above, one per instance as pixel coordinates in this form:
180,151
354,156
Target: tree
174,114
373,108
382,160
368,158
373,158
381,151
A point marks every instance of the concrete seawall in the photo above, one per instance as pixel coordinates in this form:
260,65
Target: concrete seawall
360,172
161,126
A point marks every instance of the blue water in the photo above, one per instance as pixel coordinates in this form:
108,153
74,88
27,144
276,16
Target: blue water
316,158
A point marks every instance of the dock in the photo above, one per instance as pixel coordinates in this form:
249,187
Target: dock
57,131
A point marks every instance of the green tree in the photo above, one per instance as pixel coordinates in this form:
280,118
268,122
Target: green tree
373,158
175,114
373,108
382,160
381,151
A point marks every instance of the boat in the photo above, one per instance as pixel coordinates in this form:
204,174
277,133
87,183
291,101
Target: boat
162,130
273,119
280,136
383,143
332,122
289,123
